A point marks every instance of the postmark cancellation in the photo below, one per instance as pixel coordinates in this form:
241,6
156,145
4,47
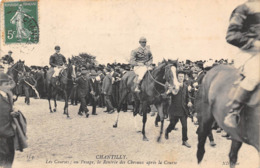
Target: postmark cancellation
20,19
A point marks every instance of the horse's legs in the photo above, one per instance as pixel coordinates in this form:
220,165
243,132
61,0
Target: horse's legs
235,146
144,112
203,130
136,107
49,98
157,119
122,98
55,99
66,111
161,115
27,96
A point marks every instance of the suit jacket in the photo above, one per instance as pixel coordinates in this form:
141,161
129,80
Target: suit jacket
20,126
199,79
95,86
107,85
6,129
84,86
174,108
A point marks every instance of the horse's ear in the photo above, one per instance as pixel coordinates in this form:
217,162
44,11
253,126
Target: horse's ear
69,60
164,60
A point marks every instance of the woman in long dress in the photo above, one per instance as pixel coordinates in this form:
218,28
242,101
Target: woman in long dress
18,19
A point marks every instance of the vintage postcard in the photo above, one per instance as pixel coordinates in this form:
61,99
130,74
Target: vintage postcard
144,58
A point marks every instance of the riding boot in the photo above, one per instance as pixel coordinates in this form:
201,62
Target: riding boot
241,97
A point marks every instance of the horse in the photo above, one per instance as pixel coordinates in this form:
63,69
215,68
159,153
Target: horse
66,76
212,99
15,71
153,91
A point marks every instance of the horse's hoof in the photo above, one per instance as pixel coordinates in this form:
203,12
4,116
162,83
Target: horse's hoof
115,126
159,139
68,117
166,135
156,125
87,115
54,110
145,139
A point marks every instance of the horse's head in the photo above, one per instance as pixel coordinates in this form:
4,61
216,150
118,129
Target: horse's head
20,67
72,70
17,68
170,76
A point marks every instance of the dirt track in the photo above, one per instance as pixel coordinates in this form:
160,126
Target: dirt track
55,141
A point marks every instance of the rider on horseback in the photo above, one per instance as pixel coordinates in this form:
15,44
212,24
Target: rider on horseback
141,59
57,62
244,33
7,61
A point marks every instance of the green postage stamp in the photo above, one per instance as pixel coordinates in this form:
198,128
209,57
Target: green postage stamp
21,21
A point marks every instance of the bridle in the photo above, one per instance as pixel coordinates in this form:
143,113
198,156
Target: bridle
167,84
13,67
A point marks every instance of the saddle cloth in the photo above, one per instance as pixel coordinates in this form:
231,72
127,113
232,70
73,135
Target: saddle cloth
57,71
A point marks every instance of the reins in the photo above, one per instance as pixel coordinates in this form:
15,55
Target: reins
156,80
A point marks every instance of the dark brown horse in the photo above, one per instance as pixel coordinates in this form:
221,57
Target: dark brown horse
153,90
66,76
211,104
14,71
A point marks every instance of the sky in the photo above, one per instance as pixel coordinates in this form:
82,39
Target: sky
110,29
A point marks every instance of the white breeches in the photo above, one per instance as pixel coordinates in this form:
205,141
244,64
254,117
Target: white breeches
57,71
251,69
140,71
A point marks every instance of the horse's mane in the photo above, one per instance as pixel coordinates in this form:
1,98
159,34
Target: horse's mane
27,69
14,65
158,69
11,68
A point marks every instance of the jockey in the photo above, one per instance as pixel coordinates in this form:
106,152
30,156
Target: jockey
7,61
57,62
141,59
244,33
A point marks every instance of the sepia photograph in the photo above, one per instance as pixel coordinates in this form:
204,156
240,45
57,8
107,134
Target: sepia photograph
129,83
